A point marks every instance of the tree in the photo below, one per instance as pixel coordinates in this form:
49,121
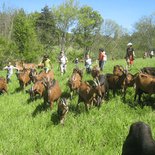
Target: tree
145,32
6,22
113,35
66,16
25,37
89,24
46,27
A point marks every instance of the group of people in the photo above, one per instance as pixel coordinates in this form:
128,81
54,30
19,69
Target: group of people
148,54
102,58
46,63
62,62
62,59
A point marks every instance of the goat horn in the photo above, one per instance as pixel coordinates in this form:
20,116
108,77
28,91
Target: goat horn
95,83
98,82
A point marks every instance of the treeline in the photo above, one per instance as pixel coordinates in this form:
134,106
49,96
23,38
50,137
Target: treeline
69,27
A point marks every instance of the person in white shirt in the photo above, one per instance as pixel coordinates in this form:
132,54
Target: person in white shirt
9,69
151,54
88,63
63,63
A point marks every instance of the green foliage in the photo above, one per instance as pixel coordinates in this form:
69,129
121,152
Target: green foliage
145,32
46,27
89,24
25,37
65,16
69,27
8,51
27,129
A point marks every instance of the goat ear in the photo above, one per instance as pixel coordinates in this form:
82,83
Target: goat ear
144,75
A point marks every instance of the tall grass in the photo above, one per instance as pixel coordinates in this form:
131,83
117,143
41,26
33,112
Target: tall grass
27,129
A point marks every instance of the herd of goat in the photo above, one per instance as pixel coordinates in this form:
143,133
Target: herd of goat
93,92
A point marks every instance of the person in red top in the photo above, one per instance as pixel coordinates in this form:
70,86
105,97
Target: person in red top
101,58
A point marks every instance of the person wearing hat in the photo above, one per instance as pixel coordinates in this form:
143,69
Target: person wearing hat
101,58
9,69
129,55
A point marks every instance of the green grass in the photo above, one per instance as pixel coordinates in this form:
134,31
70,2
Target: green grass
27,130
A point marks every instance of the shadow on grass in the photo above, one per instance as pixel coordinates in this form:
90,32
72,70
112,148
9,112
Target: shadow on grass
149,101
40,108
17,90
29,100
55,118
73,109
146,101
66,95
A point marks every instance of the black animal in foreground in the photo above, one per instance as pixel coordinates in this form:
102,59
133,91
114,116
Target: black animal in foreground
139,140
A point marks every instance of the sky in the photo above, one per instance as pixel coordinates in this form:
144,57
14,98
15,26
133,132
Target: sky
124,12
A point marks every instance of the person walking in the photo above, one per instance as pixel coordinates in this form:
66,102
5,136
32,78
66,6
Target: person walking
9,69
130,54
63,62
101,58
104,58
151,54
88,63
47,63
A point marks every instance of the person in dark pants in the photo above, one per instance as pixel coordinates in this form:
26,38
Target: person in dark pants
88,63
101,58
129,55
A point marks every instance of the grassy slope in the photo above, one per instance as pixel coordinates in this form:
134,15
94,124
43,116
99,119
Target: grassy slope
25,129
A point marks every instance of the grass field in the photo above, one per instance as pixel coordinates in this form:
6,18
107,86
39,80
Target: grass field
25,129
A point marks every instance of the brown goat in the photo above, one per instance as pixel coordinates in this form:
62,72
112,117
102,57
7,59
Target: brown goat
88,94
95,72
102,80
116,82
52,91
38,77
62,110
37,88
75,81
29,65
148,70
118,70
120,79
144,84
3,85
23,78
19,66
